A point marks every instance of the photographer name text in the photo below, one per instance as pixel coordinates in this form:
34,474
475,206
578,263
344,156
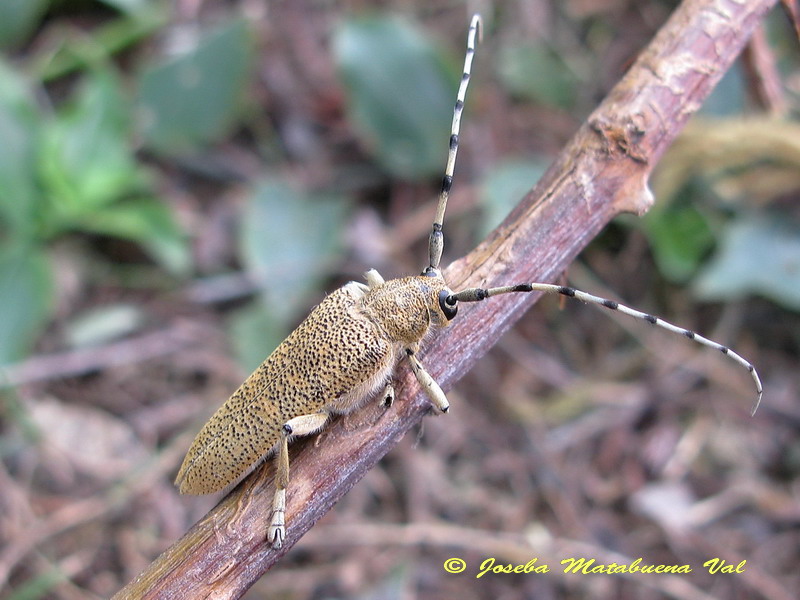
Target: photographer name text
590,566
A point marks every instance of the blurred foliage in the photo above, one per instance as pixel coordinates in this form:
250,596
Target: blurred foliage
66,170
193,98
289,238
724,182
400,93
502,187
538,73
719,189
67,48
102,324
757,255
73,169
26,295
18,18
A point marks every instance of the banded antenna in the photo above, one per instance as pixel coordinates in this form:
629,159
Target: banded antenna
436,241
478,294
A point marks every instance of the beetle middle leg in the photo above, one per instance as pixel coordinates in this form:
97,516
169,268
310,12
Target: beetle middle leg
302,425
386,397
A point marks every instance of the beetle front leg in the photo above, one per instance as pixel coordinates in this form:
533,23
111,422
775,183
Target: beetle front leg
427,382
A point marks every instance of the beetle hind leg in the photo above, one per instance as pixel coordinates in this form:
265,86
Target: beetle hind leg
302,425
277,528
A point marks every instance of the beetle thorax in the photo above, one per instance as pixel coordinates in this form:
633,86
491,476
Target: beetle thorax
406,308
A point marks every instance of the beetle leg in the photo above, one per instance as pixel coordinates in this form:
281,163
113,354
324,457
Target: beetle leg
374,279
386,397
427,382
302,425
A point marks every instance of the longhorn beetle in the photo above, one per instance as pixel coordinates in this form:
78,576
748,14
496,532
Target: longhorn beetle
346,350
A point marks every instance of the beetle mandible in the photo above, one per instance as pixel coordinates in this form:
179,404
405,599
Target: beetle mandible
346,351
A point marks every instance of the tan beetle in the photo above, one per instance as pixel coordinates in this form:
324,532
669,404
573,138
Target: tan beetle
346,351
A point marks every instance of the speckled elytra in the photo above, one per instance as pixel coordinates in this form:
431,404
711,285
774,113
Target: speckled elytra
346,351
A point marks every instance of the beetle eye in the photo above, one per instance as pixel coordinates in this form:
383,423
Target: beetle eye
448,304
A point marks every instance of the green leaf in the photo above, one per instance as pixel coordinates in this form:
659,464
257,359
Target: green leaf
504,186
680,237
148,222
759,255
533,71
19,129
131,7
86,159
192,99
18,18
255,333
38,586
103,324
25,297
72,50
400,94
288,238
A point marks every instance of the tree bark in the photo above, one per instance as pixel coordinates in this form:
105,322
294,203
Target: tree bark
601,173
